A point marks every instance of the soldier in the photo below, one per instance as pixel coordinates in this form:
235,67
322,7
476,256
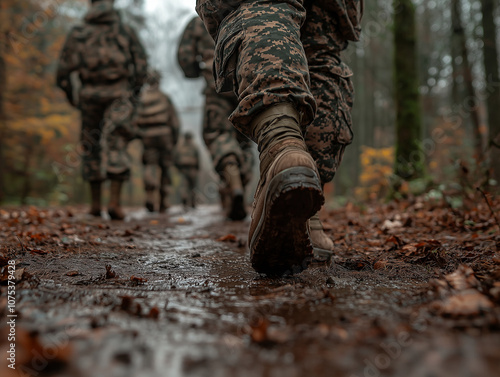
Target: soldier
158,119
282,58
111,65
231,151
187,161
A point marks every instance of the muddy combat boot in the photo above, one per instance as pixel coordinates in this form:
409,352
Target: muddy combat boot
322,244
163,202
150,196
288,194
235,208
115,210
95,195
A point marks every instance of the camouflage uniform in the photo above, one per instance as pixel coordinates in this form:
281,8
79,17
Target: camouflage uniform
158,119
195,56
111,65
297,61
187,161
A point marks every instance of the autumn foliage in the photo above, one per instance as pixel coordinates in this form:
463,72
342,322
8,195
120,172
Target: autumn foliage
39,125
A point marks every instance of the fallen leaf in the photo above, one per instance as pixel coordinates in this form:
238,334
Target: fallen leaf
379,264
469,303
37,251
227,238
72,273
138,279
18,274
390,225
258,332
154,313
110,274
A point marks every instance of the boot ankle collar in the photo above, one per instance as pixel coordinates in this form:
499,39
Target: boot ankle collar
283,109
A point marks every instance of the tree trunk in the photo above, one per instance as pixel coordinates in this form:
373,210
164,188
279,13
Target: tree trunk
470,103
490,54
409,163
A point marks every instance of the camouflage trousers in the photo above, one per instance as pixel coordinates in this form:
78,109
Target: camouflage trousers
189,177
222,139
288,51
105,133
157,155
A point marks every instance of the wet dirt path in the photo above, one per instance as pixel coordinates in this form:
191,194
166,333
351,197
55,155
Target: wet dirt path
179,298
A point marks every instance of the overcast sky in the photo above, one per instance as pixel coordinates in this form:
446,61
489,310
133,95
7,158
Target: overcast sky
155,4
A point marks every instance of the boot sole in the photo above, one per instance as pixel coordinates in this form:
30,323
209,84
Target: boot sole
322,255
281,244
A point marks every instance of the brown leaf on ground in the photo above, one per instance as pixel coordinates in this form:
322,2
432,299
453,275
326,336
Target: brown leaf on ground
459,295
469,303
258,330
137,279
395,239
227,238
391,225
110,274
154,313
72,273
37,251
463,278
379,264
29,347
19,274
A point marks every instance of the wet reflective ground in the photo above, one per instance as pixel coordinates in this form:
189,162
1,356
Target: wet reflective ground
175,295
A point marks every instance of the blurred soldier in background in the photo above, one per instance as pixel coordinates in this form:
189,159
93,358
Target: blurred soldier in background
231,151
187,161
157,118
283,60
111,65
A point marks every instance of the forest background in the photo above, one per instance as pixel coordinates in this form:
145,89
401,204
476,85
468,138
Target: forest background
426,114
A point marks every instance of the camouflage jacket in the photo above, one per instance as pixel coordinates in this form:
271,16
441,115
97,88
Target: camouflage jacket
186,155
196,53
107,55
349,13
156,114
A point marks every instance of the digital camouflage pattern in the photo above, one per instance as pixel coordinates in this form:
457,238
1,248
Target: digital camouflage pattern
187,161
288,51
196,55
159,122
111,66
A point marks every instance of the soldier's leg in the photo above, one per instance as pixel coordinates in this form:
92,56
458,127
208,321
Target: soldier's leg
192,177
184,185
259,41
228,158
92,115
150,159
165,162
247,147
117,133
330,132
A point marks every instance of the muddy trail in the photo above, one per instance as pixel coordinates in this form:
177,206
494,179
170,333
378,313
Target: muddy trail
414,291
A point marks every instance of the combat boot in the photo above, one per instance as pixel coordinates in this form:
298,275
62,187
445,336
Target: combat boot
322,244
95,195
163,201
288,194
235,209
150,196
115,210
